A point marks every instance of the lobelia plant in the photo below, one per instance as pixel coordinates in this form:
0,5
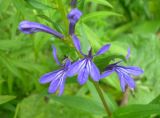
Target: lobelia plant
84,67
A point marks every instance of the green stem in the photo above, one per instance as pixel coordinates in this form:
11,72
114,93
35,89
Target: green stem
102,98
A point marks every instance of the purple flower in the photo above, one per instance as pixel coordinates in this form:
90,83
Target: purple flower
73,17
28,27
124,74
85,66
56,78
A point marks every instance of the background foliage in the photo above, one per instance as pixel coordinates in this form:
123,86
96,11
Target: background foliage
24,58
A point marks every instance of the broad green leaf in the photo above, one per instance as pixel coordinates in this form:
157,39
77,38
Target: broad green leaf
137,111
40,106
142,96
98,14
81,103
82,91
6,98
102,2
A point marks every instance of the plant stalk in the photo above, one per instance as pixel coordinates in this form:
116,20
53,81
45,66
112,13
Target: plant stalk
102,98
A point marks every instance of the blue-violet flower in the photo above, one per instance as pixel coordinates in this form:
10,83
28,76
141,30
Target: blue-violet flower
73,17
56,78
28,27
85,67
124,73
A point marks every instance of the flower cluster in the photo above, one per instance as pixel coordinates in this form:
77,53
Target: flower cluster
84,67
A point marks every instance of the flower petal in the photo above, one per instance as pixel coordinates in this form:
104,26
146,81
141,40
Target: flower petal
75,67
77,43
83,76
103,49
94,72
128,53
62,85
106,73
48,77
74,15
73,18
129,81
53,87
28,27
67,62
54,52
58,82
122,80
132,70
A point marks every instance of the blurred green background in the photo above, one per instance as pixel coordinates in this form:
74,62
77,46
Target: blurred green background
24,58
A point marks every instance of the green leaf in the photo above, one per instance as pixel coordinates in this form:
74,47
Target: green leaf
102,2
21,6
27,66
56,26
10,44
41,106
6,98
4,4
156,100
1,80
147,27
38,5
62,10
91,36
6,63
81,103
121,29
137,111
98,14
